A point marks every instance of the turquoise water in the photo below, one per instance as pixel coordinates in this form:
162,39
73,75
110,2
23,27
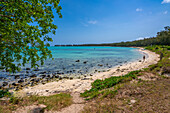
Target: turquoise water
94,52
79,61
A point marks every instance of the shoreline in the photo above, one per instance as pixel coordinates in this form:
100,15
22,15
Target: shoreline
80,85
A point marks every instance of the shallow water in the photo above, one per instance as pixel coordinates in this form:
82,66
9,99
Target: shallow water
78,61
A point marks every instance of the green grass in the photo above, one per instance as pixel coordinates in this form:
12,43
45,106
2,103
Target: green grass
53,102
4,93
163,66
99,85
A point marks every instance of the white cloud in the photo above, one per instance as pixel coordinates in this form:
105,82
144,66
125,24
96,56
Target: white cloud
86,25
141,38
92,22
166,12
139,9
165,1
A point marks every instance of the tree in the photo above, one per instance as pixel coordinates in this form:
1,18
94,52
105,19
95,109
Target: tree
24,29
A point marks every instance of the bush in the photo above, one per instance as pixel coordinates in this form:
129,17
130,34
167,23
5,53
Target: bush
4,93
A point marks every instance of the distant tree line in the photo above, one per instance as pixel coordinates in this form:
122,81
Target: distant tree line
162,38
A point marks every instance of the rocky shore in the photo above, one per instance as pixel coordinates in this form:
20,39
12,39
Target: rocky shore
54,83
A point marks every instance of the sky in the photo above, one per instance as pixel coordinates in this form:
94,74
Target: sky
110,21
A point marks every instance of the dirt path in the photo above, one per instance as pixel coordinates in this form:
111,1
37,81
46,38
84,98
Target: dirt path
76,107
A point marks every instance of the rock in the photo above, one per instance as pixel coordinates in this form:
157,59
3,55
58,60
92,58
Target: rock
71,78
16,76
43,76
85,79
42,72
100,65
5,83
36,69
140,61
48,76
32,80
37,80
59,73
85,62
60,78
1,78
56,76
34,75
14,84
77,61
28,68
118,70
132,101
20,81
66,77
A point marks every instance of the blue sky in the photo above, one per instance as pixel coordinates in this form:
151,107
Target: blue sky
108,21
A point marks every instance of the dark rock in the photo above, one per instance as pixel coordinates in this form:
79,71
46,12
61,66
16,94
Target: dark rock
36,69
140,61
20,81
28,68
85,79
60,78
66,77
42,72
71,78
17,76
118,70
5,83
100,65
59,73
43,76
77,61
32,80
48,76
1,78
56,76
37,80
85,62
14,84
34,75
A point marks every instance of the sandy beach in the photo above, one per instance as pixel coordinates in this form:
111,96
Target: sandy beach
80,85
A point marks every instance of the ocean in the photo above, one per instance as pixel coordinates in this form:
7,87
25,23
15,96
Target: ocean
76,61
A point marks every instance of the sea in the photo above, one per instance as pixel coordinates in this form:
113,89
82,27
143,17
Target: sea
77,61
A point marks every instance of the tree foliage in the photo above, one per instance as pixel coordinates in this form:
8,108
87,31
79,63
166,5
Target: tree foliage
24,29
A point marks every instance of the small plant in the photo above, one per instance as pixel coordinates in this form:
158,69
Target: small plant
4,93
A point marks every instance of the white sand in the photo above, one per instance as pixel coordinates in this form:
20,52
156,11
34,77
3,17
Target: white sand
78,85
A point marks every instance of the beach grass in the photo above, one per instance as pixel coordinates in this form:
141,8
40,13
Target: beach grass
99,86
53,102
